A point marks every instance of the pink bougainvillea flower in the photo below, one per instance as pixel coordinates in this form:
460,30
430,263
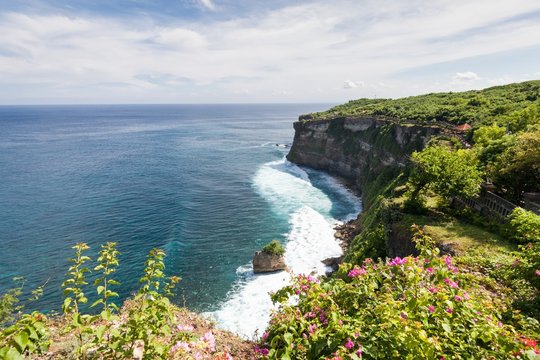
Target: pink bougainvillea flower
433,290
349,344
403,315
458,298
262,351
451,283
431,309
208,338
537,272
180,345
450,311
184,328
397,261
357,272
429,270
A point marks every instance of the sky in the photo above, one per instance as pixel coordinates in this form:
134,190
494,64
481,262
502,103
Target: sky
260,51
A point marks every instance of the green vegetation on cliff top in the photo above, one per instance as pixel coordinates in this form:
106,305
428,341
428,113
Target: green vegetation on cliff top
475,107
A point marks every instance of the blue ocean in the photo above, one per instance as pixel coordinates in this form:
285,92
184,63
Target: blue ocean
207,183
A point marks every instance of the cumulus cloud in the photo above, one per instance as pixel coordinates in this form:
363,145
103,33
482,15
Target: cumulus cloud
349,84
466,76
174,38
309,47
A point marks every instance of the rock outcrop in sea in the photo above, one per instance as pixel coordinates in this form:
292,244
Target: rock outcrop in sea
264,262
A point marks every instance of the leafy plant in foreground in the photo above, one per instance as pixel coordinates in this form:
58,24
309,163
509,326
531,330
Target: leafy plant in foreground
150,314
73,292
403,308
75,296
108,262
24,334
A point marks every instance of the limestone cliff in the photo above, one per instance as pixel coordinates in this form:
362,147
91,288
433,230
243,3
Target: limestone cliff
357,148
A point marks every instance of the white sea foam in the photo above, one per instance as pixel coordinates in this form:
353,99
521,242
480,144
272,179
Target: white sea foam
310,240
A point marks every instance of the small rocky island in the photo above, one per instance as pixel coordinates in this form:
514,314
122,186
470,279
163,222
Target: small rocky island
270,259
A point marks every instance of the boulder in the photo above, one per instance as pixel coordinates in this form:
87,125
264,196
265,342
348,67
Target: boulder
264,262
333,263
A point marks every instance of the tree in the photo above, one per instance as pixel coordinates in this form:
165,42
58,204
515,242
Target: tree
447,172
518,169
490,142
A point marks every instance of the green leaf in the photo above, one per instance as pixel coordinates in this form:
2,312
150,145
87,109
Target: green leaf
100,289
13,354
288,337
106,315
100,330
99,301
446,327
21,341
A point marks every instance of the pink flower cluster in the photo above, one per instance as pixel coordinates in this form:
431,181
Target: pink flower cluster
356,271
185,328
210,340
448,262
207,341
349,345
262,351
396,261
451,283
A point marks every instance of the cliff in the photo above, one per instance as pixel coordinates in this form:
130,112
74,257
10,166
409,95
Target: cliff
357,148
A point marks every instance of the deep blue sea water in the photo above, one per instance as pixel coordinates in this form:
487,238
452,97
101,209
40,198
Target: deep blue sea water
207,183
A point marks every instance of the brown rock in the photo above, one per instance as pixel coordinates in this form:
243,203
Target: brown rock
264,262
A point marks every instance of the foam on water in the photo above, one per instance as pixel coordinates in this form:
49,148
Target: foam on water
310,240
287,188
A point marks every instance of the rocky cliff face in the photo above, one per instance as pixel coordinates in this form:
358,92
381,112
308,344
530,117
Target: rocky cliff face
357,148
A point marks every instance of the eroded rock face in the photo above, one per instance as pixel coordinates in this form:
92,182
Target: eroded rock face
264,262
357,148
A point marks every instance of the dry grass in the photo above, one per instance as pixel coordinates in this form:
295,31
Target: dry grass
64,344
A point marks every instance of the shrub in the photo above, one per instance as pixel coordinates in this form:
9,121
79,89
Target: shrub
448,173
21,334
415,205
524,226
416,308
274,247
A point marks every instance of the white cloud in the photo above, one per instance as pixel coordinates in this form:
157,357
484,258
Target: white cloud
466,76
207,4
305,49
349,84
175,38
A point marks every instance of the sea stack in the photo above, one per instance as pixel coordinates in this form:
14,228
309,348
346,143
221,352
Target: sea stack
270,259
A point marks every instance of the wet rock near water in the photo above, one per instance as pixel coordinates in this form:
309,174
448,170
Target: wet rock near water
345,233
264,262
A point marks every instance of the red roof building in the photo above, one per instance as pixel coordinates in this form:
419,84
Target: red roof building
463,127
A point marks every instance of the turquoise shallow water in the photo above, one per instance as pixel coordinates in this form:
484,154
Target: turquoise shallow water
200,181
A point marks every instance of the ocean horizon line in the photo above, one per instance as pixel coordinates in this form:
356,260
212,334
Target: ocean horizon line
172,104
